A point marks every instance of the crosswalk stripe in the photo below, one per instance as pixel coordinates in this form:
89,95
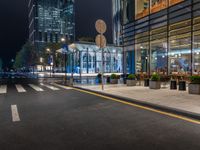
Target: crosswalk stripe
19,88
3,89
50,87
15,114
37,88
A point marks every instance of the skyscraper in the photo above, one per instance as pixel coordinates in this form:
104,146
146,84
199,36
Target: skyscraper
117,28
49,20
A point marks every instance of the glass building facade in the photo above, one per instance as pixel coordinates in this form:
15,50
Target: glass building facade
161,36
86,58
49,20
117,27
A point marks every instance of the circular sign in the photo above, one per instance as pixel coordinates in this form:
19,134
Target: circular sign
101,41
100,26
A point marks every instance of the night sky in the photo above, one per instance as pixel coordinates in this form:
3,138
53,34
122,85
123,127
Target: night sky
14,23
13,27
87,12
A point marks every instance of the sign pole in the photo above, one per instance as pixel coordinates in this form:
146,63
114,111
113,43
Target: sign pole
102,78
101,42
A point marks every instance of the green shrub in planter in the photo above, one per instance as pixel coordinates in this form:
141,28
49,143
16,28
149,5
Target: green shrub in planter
155,77
194,86
195,79
131,81
113,79
113,76
155,82
131,77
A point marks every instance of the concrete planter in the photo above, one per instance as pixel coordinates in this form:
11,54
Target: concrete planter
194,88
131,82
113,81
154,84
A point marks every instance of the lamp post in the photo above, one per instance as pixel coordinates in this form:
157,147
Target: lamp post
41,62
63,40
48,50
73,52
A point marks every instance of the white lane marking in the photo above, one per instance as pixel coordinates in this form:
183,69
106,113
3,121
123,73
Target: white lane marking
19,88
61,86
3,89
50,87
37,88
15,114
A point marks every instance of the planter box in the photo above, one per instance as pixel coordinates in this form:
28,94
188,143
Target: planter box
194,88
173,85
113,81
154,84
182,85
131,82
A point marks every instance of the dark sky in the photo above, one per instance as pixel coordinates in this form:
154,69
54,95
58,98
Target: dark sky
87,12
13,27
14,23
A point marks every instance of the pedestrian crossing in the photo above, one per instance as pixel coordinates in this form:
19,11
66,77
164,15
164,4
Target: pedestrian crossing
20,88
3,89
25,88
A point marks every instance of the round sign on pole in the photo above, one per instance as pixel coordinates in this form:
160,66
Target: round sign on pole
101,26
101,41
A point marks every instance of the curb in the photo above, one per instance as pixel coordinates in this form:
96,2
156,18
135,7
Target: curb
150,105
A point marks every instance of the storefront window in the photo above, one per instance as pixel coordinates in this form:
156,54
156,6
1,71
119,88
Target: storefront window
142,58
159,56
141,8
157,5
130,62
180,55
196,53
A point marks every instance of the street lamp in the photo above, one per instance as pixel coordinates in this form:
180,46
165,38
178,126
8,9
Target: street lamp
51,63
63,40
73,46
41,62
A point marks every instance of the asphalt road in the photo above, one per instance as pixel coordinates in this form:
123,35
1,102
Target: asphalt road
67,119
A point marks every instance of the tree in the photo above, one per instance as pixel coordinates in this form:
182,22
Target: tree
26,57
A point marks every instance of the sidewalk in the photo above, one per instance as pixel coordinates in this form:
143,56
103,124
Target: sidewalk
173,99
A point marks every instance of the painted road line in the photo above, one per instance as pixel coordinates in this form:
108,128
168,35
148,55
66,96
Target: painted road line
3,89
15,114
19,88
37,88
142,107
61,86
50,87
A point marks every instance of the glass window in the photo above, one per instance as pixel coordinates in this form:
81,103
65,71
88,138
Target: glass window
142,58
157,5
180,48
130,62
141,8
196,53
173,2
159,56
180,54
128,11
